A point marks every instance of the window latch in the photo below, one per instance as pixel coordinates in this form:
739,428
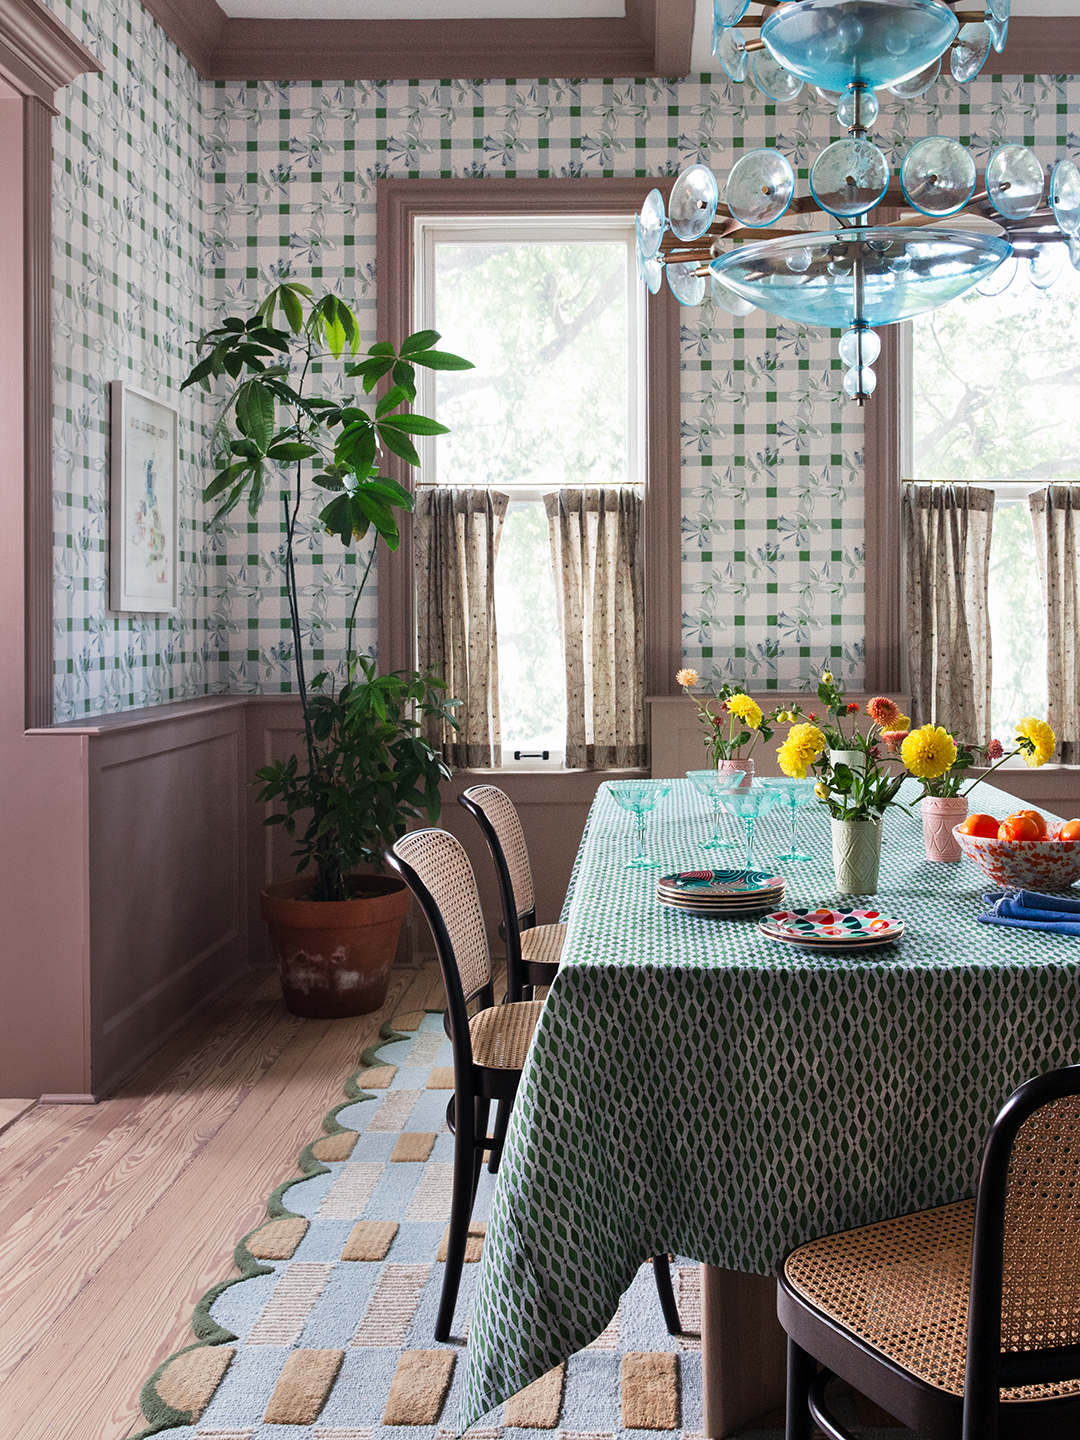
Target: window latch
532,754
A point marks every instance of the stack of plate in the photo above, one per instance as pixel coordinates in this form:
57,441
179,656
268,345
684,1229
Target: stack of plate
721,894
828,929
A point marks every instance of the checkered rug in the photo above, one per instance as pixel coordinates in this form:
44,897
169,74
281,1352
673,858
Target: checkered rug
327,1334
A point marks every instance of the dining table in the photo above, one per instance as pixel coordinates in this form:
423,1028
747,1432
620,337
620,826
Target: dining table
696,1088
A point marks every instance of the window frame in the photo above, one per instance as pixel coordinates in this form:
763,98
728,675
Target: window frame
399,203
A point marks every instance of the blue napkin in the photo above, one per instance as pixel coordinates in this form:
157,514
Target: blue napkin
1031,910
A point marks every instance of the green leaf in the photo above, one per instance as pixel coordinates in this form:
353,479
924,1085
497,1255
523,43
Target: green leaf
388,490
405,376
394,397
222,480
381,347
258,484
355,448
399,445
291,450
416,425
441,360
380,515
419,340
255,412
294,311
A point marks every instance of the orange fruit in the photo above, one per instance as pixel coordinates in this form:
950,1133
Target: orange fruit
1069,831
1040,820
1019,827
984,825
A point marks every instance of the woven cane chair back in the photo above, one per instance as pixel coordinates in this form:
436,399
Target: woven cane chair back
1040,1301
505,821
443,867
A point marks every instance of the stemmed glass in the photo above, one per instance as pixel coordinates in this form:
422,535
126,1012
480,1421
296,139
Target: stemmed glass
749,805
639,797
712,783
796,794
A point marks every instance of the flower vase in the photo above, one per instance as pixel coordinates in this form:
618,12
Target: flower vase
856,848
939,814
853,759
725,767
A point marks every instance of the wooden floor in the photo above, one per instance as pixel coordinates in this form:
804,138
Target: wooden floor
116,1217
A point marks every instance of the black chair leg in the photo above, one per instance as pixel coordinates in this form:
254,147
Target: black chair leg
482,1109
801,1370
467,1161
502,1120
661,1265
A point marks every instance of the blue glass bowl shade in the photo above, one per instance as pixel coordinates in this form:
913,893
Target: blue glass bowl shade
999,280
880,42
728,12
941,265
917,84
1065,196
727,299
774,80
651,224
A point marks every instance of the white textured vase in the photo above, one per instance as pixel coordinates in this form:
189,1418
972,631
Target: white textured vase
939,814
856,851
725,767
853,759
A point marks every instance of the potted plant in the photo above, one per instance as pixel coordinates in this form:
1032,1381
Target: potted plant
738,724
364,770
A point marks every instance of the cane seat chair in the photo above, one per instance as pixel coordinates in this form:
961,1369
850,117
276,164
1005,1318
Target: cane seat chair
533,951
490,1041
963,1322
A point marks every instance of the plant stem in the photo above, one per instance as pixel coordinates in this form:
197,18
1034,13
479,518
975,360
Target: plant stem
350,624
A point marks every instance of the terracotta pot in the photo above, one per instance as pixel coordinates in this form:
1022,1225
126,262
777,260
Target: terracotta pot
335,956
856,848
725,767
939,814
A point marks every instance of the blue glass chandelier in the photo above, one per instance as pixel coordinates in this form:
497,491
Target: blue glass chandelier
857,275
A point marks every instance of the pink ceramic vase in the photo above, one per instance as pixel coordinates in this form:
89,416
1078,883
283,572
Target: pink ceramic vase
939,814
746,766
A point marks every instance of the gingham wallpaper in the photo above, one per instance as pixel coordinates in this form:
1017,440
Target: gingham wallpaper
176,198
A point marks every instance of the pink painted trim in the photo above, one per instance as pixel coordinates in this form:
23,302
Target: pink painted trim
37,53
881,533
1039,45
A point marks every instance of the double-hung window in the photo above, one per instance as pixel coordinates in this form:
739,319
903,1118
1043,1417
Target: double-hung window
550,312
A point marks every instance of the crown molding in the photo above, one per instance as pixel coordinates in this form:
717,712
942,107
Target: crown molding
653,38
37,54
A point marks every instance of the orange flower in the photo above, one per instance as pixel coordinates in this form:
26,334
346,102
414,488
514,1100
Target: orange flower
883,712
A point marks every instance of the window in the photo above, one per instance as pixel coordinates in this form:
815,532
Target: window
991,399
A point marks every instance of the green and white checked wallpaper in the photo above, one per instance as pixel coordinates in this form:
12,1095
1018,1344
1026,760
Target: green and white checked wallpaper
176,198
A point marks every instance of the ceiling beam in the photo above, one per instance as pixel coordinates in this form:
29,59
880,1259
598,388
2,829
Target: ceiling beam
652,39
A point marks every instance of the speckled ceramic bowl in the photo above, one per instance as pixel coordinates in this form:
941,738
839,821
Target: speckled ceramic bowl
1023,864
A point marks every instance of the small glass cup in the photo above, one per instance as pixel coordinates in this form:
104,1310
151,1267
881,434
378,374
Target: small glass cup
712,784
749,805
795,795
639,797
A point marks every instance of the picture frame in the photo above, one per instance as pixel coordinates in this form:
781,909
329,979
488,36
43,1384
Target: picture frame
144,511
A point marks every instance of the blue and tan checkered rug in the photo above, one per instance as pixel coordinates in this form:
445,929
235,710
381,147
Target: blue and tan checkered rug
327,1332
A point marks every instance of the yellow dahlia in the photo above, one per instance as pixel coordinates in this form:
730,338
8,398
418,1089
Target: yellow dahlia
689,678
747,709
801,748
928,752
1042,741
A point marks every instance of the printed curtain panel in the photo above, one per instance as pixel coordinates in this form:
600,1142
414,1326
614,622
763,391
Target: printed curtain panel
1055,516
456,541
596,552
947,542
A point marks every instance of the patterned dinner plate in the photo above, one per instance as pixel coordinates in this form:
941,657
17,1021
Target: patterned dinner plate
712,912
722,883
833,926
831,947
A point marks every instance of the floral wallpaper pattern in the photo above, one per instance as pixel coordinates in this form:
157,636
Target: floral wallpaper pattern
177,199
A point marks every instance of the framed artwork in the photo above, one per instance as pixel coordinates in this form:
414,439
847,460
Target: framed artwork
143,500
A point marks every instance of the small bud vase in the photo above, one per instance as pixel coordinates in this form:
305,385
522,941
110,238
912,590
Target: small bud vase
939,814
746,766
856,849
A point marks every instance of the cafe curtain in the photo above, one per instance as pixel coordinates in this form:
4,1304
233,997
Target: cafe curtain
456,540
1055,516
596,538
947,542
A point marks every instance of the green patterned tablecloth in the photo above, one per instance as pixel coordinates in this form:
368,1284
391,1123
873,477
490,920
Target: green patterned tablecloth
696,1088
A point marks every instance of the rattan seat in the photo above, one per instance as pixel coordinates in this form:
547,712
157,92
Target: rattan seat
964,1320
543,945
501,1036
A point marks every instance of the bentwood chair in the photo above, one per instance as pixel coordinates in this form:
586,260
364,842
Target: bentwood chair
532,951
963,1322
490,1045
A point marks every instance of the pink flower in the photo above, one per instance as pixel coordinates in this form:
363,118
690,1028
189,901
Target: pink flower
875,752
894,739
995,750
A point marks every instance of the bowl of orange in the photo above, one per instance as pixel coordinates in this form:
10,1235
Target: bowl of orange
1024,852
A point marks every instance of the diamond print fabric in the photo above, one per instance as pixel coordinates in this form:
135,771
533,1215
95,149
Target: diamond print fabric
696,1088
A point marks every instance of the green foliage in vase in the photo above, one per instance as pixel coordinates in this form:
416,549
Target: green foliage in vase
366,770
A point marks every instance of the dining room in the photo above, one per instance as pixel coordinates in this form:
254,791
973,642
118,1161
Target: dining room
720,481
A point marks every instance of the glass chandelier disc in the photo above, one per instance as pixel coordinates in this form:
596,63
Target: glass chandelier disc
760,187
1045,265
687,286
999,31
651,224
937,176
849,177
692,202
730,49
727,299
999,9
879,42
728,12
653,274
1065,196
775,81
970,51
999,280
936,267
1014,181
917,84
1074,252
